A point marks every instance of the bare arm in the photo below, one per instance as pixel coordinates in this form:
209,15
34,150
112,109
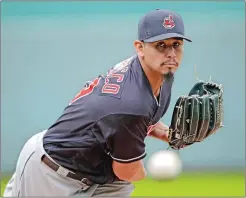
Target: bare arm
160,131
131,172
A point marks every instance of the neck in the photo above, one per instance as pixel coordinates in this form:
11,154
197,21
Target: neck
155,79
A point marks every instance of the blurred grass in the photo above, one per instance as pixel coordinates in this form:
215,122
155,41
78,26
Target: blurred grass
195,184
4,181
188,184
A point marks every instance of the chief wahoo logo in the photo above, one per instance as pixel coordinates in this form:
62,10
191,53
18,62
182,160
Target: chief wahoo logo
168,22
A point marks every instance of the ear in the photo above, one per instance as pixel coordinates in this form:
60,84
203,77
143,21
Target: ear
139,46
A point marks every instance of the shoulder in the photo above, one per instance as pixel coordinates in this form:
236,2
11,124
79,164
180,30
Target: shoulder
122,65
122,90
117,92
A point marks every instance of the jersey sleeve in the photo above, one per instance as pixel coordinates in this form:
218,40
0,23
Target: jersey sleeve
124,136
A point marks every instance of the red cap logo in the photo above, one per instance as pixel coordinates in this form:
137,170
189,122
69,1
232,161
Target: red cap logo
168,22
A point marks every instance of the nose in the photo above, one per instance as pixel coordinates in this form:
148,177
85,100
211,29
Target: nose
171,53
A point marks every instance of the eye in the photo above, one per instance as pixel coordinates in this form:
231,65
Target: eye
161,46
176,45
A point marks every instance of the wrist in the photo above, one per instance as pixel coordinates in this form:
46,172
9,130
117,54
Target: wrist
165,137
160,132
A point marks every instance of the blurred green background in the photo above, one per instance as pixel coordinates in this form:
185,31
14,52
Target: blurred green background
223,184
49,49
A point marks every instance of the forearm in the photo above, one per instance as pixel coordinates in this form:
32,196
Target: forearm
160,131
140,173
131,172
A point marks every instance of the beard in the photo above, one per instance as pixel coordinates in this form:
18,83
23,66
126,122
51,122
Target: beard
169,75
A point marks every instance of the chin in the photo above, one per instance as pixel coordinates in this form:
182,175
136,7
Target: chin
168,75
167,71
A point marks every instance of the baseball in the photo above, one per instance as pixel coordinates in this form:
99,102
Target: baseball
164,165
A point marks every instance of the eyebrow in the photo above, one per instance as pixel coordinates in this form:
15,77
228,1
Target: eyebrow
165,42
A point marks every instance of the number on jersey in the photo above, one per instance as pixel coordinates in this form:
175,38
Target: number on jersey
112,85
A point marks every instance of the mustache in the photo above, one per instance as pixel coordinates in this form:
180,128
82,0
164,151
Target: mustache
174,62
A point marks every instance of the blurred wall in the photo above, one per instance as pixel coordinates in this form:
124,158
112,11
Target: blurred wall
49,49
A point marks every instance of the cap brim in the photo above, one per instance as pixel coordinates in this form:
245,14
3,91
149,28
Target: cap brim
166,36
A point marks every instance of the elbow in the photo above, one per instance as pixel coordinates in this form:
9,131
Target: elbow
129,172
123,176
130,176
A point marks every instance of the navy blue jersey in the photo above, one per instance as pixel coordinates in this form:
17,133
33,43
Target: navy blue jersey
108,120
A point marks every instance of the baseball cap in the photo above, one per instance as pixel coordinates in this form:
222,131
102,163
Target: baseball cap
161,24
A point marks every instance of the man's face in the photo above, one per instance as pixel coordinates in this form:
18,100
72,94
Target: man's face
162,56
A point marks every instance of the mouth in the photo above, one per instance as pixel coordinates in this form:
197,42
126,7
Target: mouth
170,64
